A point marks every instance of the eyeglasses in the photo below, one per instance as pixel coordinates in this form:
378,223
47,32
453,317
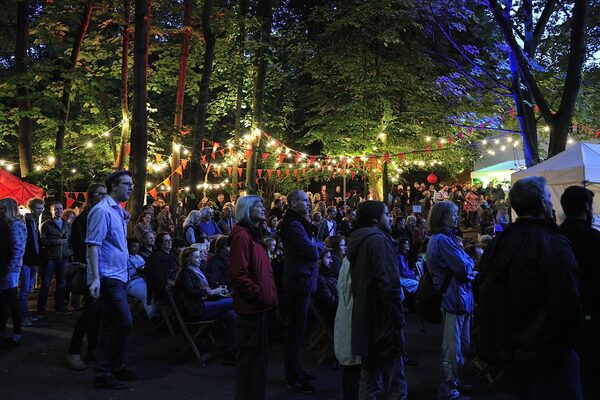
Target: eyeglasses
128,184
98,194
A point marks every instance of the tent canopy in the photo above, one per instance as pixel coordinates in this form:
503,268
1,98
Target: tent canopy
14,188
500,172
577,165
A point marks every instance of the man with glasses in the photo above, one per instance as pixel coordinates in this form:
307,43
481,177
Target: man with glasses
107,278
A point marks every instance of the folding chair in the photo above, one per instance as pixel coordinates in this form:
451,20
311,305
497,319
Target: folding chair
198,327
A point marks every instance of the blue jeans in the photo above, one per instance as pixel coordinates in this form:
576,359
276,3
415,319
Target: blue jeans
222,309
26,283
455,346
115,326
52,268
297,313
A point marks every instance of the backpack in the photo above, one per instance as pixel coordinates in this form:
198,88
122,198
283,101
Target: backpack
6,246
428,299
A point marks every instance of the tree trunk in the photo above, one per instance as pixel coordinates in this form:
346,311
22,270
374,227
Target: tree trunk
122,154
179,100
139,137
260,63
23,102
66,95
199,131
241,42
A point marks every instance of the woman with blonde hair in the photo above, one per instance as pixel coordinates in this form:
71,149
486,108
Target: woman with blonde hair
13,240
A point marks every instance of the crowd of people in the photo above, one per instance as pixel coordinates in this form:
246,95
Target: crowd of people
360,262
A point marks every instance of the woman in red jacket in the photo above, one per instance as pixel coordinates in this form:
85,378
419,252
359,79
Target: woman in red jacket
254,294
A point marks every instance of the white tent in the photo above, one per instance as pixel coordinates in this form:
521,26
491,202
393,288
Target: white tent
577,165
500,173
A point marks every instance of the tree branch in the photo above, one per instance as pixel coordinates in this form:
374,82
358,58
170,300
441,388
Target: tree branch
540,27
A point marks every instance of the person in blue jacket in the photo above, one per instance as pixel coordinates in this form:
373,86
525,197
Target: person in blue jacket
448,262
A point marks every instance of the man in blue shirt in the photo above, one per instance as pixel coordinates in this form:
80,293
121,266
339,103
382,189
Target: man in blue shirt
107,278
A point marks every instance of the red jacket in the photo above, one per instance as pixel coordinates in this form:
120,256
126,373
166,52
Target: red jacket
251,274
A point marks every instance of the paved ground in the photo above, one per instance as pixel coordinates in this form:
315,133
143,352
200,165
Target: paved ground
36,369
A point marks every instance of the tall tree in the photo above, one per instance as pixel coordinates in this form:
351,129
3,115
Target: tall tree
239,98
139,138
200,129
23,102
121,155
179,99
260,65
560,119
66,93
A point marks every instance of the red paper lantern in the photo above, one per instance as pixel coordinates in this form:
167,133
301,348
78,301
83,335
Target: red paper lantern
432,178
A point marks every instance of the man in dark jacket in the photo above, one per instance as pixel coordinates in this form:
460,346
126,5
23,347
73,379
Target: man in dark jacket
31,258
301,253
378,316
577,203
529,300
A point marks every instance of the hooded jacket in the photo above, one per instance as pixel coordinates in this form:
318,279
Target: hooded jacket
250,272
377,315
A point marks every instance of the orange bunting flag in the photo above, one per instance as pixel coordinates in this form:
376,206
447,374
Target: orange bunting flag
249,153
401,156
67,195
295,173
259,172
264,156
356,162
158,157
270,173
596,134
213,155
70,202
240,170
179,170
231,152
352,174
219,170
167,182
303,171
296,159
222,151
203,160
279,173
287,172
152,192
127,149
215,146
229,170
281,158
184,163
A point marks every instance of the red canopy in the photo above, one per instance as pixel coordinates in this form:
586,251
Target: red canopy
13,187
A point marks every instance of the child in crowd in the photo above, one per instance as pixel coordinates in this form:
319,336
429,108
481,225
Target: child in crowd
326,296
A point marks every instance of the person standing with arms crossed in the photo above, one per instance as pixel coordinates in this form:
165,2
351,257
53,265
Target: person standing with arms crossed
107,278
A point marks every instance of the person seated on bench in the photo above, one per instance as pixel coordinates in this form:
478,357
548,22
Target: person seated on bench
136,286
198,302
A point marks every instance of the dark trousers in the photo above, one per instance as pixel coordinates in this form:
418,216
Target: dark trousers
551,382
251,356
9,298
88,324
115,326
350,381
297,314
50,269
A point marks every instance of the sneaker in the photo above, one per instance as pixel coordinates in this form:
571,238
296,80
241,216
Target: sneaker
75,362
26,321
126,374
301,387
109,382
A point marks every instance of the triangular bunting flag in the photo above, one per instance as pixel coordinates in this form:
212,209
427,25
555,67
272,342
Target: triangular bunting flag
179,170
303,171
70,202
67,196
279,173
222,151
167,182
401,156
281,158
231,152
249,153
296,159
287,172
264,156
213,155
259,172
352,174
203,160
219,170
152,192
229,169
215,146
158,157
295,173
270,173
184,163
240,170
